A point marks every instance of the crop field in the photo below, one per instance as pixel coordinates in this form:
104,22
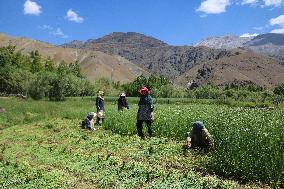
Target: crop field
42,146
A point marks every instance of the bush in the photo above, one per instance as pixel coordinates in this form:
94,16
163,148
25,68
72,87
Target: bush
279,90
40,86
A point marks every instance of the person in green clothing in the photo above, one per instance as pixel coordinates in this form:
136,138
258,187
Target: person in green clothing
145,112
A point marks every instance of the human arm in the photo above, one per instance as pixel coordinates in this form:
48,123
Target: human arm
188,141
97,103
126,104
88,124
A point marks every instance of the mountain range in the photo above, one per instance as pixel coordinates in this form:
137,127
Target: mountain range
123,56
270,44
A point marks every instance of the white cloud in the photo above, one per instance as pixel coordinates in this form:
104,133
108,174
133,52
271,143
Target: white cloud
46,27
213,6
59,33
277,21
53,31
249,35
203,15
32,8
245,2
73,16
281,30
258,28
275,3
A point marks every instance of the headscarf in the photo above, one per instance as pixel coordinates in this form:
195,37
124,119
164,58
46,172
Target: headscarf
144,91
100,94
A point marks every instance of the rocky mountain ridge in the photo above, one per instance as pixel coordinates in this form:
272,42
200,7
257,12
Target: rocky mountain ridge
180,63
270,44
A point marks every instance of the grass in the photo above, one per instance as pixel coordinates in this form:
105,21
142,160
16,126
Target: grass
42,146
41,155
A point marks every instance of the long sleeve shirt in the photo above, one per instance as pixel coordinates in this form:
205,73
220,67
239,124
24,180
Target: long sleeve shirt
100,104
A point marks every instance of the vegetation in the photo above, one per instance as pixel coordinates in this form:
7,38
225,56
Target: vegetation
37,77
249,147
44,147
279,90
249,142
160,86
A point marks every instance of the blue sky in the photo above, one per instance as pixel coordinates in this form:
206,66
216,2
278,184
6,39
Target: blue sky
177,22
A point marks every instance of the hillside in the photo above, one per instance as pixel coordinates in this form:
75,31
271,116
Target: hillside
182,63
270,44
242,67
151,54
124,56
224,42
94,64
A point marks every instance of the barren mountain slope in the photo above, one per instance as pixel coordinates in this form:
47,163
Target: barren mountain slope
243,67
94,64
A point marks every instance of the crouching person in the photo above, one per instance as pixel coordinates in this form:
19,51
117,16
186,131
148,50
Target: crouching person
88,122
199,137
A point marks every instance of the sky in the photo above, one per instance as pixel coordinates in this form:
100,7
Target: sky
176,22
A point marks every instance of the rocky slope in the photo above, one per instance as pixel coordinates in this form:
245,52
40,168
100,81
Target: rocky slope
153,55
123,56
242,67
270,44
224,42
183,64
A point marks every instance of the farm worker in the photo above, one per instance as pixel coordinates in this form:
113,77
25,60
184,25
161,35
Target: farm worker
122,102
100,107
88,122
199,136
145,112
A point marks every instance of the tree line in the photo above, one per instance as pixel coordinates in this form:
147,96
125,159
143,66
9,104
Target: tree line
38,77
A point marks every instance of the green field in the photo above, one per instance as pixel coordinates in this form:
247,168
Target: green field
42,146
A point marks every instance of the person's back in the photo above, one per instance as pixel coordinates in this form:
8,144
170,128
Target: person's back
88,122
145,108
122,102
199,136
145,112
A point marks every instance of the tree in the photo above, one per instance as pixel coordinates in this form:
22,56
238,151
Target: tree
49,65
279,90
36,61
57,90
75,69
40,85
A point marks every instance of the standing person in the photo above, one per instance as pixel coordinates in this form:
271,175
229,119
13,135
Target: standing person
122,102
100,105
199,137
145,112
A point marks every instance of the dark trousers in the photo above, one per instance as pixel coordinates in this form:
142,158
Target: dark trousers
139,126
